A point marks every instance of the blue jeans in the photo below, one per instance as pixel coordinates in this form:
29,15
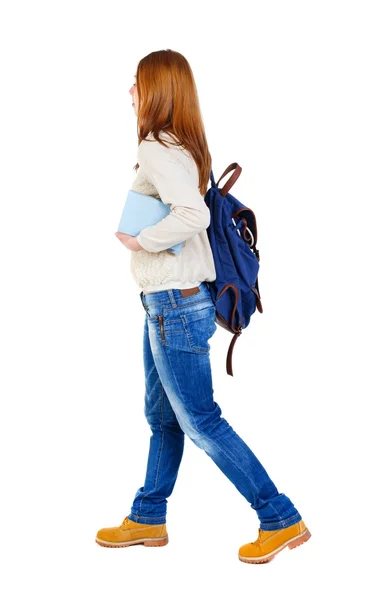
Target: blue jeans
179,400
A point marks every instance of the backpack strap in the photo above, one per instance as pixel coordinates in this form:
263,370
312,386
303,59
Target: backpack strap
230,352
212,178
232,179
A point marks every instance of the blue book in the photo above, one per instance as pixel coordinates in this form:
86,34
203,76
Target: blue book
142,210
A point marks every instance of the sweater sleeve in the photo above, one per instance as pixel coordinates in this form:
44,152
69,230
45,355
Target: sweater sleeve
189,213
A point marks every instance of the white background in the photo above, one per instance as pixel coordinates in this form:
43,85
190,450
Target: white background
287,91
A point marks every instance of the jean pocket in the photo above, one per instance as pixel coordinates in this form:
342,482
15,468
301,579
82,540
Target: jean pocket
199,326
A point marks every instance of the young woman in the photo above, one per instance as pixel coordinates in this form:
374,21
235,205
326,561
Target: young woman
174,165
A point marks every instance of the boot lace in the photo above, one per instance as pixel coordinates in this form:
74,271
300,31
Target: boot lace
262,535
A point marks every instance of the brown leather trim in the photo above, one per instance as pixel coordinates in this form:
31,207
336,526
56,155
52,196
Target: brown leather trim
222,322
231,324
238,212
230,354
189,291
258,300
232,179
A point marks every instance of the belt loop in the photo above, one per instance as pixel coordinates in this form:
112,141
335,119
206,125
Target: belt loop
172,298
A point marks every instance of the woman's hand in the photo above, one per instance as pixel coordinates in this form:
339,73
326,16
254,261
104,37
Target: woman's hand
129,241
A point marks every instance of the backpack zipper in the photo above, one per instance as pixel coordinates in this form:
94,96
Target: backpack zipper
161,324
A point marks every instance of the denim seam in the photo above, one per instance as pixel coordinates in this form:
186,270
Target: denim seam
275,509
161,447
137,515
179,391
234,463
184,304
283,522
195,349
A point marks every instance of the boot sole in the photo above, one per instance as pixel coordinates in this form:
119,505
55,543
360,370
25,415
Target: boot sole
298,540
145,541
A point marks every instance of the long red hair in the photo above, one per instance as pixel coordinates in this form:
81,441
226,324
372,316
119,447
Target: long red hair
168,101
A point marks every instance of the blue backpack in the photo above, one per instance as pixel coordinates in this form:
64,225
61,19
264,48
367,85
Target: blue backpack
232,234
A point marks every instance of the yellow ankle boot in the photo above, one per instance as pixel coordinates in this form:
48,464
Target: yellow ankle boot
130,532
273,541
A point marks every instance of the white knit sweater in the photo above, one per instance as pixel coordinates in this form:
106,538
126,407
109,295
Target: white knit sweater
171,175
